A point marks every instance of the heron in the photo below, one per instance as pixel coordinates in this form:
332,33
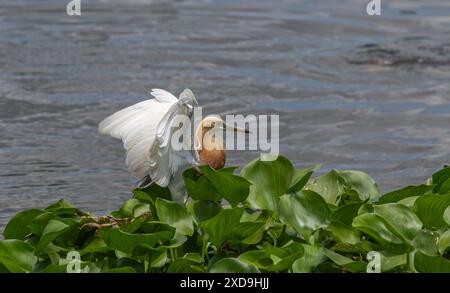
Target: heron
146,130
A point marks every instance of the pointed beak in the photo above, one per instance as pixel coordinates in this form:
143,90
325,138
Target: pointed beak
236,129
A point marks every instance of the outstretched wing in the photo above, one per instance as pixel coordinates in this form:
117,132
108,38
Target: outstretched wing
136,126
164,160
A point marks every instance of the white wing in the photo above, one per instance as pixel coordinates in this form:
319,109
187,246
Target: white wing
136,126
164,161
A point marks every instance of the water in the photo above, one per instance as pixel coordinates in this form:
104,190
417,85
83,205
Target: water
352,91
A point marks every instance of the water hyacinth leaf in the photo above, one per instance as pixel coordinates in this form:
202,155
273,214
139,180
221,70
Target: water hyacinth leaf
400,220
151,192
140,210
431,209
444,242
64,208
389,261
193,256
312,257
447,215
299,179
199,187
409,191
330,186
232,265
374,226
175,215
346,213
233,188
336,257
128,206
361,182
270,180
430,264
343,232
17,227
17,256
409,201
127,242
120,270
427,242
136,222
97,245
203,210
182,265
445,187
271,258
248,232
52,230
220,226
305,211
439,178
158,258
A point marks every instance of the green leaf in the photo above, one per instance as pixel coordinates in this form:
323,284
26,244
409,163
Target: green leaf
248,232
430,264
232,265
17,227
199,187
150,193
426,242
431,208
233,188
447,215
391,261
312,257
336,257
346,213
305,211
220,226
120,270
175,215
182,265
17,256
362,183
270,180
203,210
439,178
128,207
444,242
51,231
271,258
400,220
330,186
64,208
299,179
397,195
374,226
343,232
126,242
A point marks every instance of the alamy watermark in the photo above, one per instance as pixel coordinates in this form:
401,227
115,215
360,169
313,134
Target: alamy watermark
236,132
374,7
74,8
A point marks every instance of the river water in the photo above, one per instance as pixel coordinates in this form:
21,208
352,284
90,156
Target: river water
353,91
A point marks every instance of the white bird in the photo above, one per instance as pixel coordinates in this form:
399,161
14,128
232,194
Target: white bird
146,130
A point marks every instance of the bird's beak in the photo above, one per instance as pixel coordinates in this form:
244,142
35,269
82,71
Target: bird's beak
236,129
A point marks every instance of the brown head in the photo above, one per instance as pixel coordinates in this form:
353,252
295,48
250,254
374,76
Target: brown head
209,143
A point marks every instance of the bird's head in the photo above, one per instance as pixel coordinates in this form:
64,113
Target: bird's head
216,123
208,140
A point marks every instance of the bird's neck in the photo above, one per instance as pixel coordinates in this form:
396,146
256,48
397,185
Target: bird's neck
213,151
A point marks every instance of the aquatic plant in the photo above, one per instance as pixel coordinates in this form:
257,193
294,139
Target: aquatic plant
271,217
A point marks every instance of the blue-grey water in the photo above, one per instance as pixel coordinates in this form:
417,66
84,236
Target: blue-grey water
353,91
